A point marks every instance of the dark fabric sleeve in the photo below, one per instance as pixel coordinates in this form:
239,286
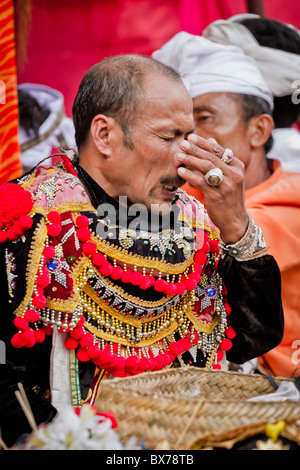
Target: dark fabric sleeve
254,294
29,366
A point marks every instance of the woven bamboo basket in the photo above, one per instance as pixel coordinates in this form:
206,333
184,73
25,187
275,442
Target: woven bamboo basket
189,408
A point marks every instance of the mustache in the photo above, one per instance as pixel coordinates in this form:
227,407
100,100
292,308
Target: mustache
176,181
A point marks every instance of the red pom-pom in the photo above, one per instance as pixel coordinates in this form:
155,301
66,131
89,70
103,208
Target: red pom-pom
83,355
106,269
180,288
86,340
93,351
39,301
196,276
20,323
144,363
77,332
214,246
54,230
160,362
49,252
43,280
89,248
25,222
200,257
147,281
18,341
31,316
127,276
83,234
190,284
15,201
132,363
180,346
220,355
216,366
227,308
160,285
71,343
3,236
230,333
98,259
39,335
136,278
117,272
81,321
82,221
171,289
29,337
225,344
54,217
119,362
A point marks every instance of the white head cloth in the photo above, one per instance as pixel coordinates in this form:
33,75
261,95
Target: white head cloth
280,69
207,67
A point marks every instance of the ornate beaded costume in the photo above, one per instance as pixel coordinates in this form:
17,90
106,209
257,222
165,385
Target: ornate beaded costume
130,301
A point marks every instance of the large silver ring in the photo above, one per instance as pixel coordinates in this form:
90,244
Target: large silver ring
227,156
214,177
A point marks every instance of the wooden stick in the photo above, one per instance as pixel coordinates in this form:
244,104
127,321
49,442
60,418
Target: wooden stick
3,445
24,403
189,423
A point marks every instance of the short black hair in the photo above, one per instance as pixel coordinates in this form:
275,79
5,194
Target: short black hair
277,35
31,113
115,87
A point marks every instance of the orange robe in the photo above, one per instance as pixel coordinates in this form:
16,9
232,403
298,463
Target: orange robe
275,206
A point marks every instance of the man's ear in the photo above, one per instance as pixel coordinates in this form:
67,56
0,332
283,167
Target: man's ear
261,128
101,133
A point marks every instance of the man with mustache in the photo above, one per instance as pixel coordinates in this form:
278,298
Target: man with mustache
106,290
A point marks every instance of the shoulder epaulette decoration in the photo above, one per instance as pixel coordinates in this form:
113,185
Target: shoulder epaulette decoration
125,310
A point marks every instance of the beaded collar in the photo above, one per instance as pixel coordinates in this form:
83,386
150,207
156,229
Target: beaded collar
128,304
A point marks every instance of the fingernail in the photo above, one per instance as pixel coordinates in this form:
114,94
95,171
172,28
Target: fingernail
185,145
181,156
193,138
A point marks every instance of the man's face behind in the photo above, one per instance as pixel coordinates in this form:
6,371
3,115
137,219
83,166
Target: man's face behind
147,173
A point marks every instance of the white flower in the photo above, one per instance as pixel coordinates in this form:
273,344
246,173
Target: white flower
71,431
